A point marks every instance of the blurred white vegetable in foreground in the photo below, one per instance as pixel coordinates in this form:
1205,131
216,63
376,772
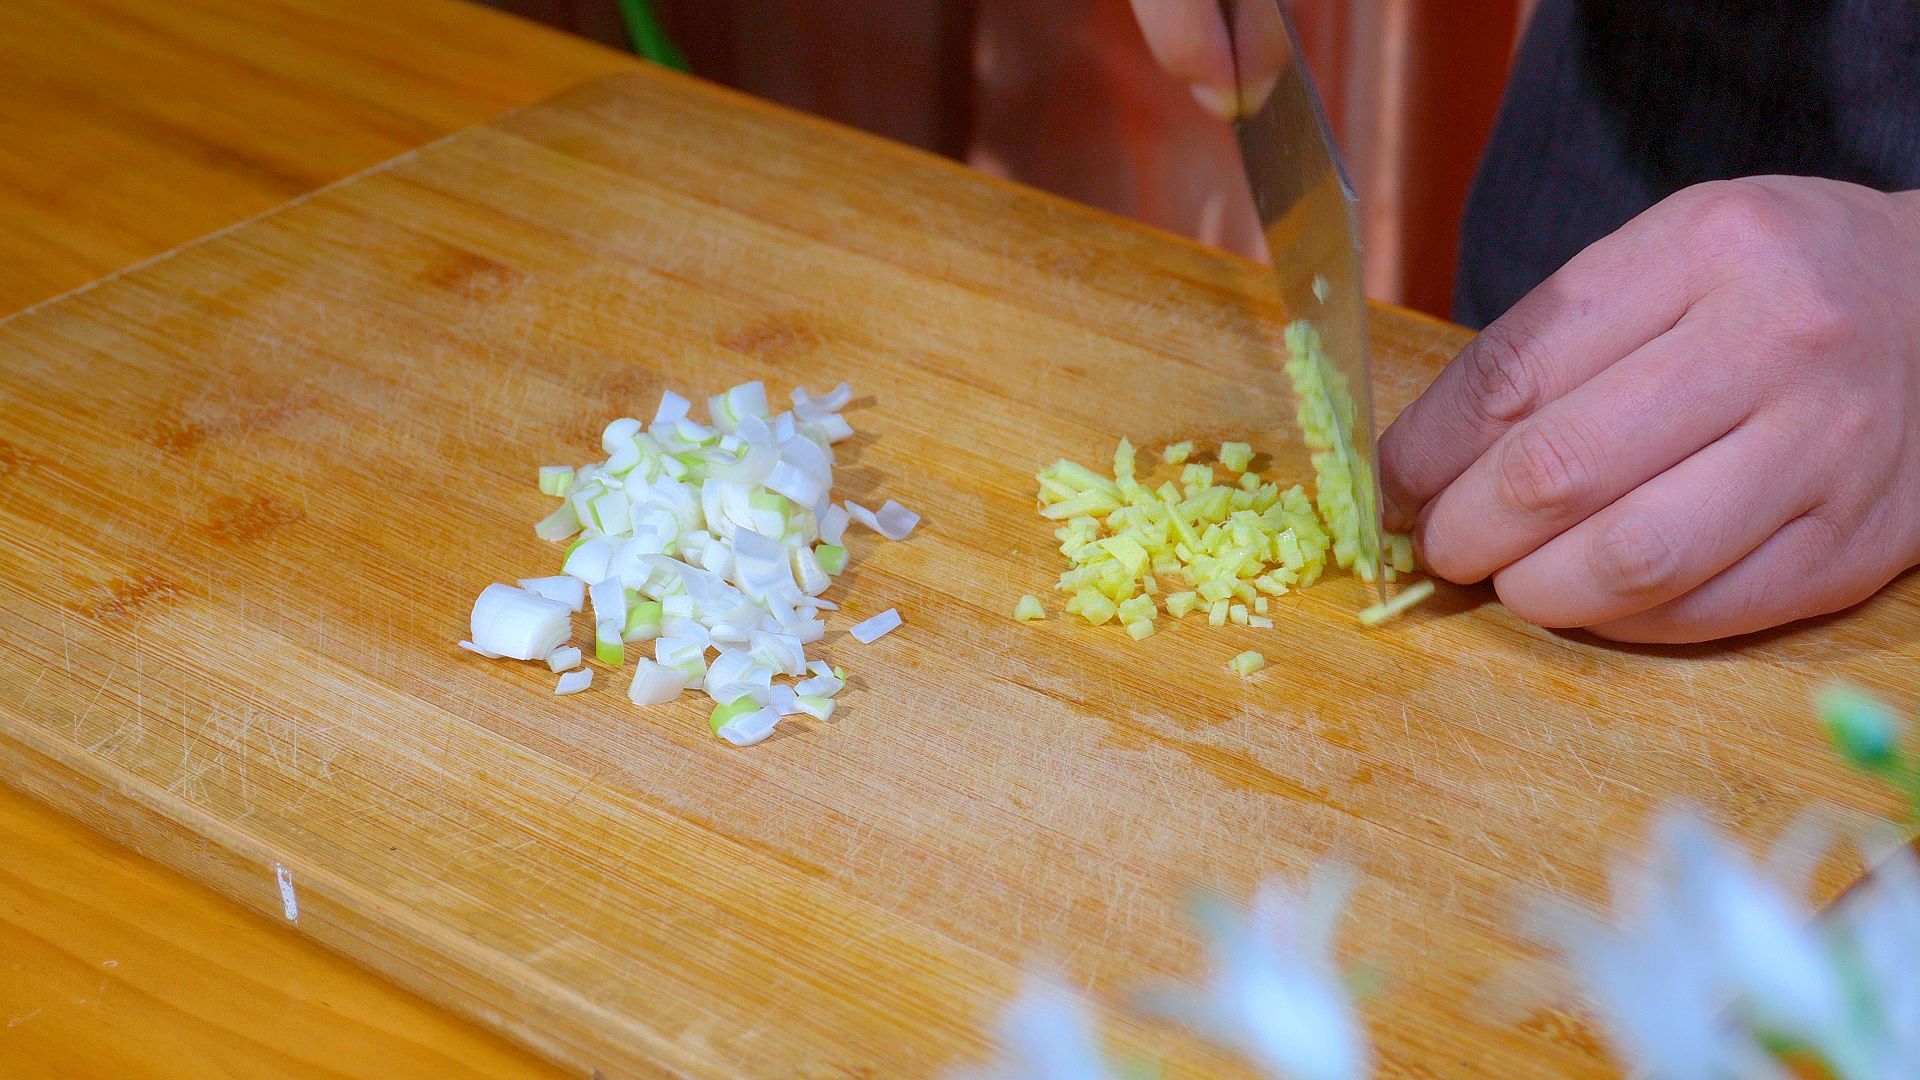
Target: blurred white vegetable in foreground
1274,995
1708,967
1047,1033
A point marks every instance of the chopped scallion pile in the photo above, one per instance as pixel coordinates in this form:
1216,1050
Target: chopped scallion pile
705,539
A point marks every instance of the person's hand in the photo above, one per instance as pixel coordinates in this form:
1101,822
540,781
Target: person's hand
1191,40
1705,424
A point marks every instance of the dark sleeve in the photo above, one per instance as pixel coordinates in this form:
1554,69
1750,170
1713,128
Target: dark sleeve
1615,104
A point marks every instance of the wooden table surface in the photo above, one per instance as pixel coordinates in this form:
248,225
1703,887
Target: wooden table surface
127,128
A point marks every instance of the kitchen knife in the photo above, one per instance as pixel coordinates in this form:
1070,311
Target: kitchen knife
1310,218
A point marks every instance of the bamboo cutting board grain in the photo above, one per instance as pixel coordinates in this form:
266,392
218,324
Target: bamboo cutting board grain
248,492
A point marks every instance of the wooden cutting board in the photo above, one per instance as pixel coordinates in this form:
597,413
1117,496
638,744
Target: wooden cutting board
248,492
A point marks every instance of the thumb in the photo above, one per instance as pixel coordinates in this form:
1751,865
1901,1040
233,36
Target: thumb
1189,39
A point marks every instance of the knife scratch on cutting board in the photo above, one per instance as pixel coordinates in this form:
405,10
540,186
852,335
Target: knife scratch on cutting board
81,718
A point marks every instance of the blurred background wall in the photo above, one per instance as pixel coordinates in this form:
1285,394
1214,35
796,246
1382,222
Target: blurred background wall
1062,94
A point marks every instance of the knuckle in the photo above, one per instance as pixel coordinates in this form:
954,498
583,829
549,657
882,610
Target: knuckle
1810,558
1503,375
1737,214
1635,558
1808,319
1545,468
1855,421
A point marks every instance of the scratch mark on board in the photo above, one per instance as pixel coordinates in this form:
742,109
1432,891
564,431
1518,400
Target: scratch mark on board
104,683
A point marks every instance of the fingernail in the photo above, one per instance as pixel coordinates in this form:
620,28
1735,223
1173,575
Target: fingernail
1392,516
1224,104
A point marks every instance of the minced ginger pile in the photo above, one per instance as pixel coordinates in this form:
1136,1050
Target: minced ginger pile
1214,538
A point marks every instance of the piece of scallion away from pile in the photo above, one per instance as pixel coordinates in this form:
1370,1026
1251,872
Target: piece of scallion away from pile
716,542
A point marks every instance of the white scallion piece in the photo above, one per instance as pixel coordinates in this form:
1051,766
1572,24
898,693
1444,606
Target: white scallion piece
894,521
655,683
558,525
835,428
813,578
871,630
574,681
565,589
590,560
781,652
863,515
833,525
472,648
609,646
672,408
619,433
749,729
807,407
563,659
609,598
555,479
824,685
517,623
784,701
820,708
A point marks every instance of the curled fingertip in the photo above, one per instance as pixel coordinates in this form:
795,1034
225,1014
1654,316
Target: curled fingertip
1189,40
1219,101
1229,104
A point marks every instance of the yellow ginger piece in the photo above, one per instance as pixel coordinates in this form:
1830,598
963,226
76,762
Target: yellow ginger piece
1397,606
1138,609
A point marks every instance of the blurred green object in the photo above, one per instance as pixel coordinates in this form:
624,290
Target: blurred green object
1867,734
1865,731
648,39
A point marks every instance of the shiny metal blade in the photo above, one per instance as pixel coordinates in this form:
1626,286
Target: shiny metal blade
1310,217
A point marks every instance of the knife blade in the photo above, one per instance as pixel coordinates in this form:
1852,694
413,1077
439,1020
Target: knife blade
1309,216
